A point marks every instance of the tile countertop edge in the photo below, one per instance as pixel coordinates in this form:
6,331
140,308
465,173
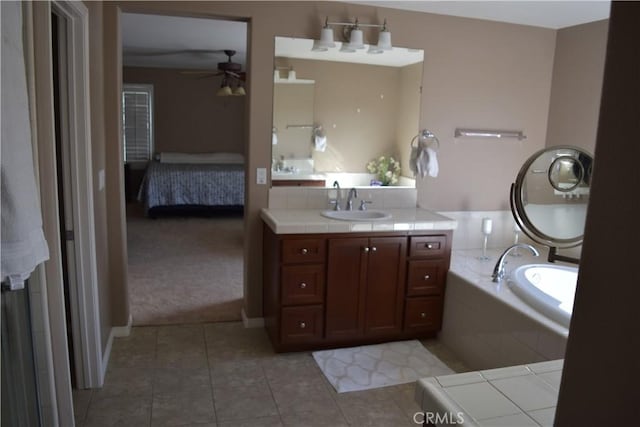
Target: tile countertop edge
280,221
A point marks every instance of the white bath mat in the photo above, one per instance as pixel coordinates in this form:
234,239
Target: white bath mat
380,365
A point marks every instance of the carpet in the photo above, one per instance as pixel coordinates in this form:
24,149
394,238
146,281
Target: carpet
184,269
380,365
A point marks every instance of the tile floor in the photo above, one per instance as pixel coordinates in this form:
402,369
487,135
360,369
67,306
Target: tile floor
221,374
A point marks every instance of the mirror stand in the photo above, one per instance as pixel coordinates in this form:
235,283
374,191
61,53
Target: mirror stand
555,256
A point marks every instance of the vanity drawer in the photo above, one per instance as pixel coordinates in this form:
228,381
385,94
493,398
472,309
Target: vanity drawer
423,314
303,250
302,284
427,246
425,278
301,324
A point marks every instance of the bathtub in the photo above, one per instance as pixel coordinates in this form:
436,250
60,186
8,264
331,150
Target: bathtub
486,324
548,288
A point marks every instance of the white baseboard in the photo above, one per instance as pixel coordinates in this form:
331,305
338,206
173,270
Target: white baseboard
252,322
116,331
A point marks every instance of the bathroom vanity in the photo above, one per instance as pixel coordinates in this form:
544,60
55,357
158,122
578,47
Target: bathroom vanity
353,283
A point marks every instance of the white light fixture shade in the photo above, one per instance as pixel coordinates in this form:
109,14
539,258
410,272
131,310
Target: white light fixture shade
356,40
276,75
292,75
239,91
384,40
325,42
224,91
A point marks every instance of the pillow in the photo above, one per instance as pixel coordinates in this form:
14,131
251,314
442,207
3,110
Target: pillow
214,158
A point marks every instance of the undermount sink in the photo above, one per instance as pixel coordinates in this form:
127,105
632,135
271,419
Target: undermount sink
371,215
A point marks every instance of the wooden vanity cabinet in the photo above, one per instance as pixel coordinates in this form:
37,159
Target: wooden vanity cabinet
365,281
332,290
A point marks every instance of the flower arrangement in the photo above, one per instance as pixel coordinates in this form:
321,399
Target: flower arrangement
387,170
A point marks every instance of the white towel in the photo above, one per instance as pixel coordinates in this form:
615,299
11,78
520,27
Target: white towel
432,162
423,160
320,143
23,245
319,139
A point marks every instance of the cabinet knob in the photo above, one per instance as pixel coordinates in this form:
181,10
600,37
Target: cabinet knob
427,277
304,251
303,325
365,249
373,249
303,285
423,315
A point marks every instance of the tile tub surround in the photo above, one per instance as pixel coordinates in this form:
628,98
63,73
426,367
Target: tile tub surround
487,325
524,395
298,221
468,235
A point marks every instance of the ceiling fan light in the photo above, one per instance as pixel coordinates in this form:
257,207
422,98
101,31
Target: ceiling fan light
239,91
224,91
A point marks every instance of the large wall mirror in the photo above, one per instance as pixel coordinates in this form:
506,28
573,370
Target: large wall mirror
334,112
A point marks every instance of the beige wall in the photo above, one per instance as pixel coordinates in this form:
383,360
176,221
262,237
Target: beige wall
477,73
188,117
599,381
577,83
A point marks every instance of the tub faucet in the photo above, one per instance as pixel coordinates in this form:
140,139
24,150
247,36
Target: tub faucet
353,193
498,270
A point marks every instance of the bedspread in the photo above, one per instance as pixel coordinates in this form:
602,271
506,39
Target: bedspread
168,184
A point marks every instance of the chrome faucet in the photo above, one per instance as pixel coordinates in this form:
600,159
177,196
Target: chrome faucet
498,270
336,185
353,193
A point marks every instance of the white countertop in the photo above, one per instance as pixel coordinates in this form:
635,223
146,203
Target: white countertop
295,221
523,395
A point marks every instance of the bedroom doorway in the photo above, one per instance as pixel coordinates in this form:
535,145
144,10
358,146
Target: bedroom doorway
184,127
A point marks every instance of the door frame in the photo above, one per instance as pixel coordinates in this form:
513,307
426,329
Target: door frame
84,308
85,320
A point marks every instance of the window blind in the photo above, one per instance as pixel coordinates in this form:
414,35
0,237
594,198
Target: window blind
137,104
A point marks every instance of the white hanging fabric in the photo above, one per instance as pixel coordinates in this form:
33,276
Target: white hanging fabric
23,245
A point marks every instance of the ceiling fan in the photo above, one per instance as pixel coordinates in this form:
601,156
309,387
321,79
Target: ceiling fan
228,68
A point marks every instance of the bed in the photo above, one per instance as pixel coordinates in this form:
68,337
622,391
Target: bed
193,183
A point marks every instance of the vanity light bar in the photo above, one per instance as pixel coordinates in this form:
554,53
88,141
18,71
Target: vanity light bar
489,133
300,126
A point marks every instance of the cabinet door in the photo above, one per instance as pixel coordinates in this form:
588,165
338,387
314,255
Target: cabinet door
385,285
346,274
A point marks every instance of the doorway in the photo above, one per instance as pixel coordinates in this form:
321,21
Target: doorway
184,172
